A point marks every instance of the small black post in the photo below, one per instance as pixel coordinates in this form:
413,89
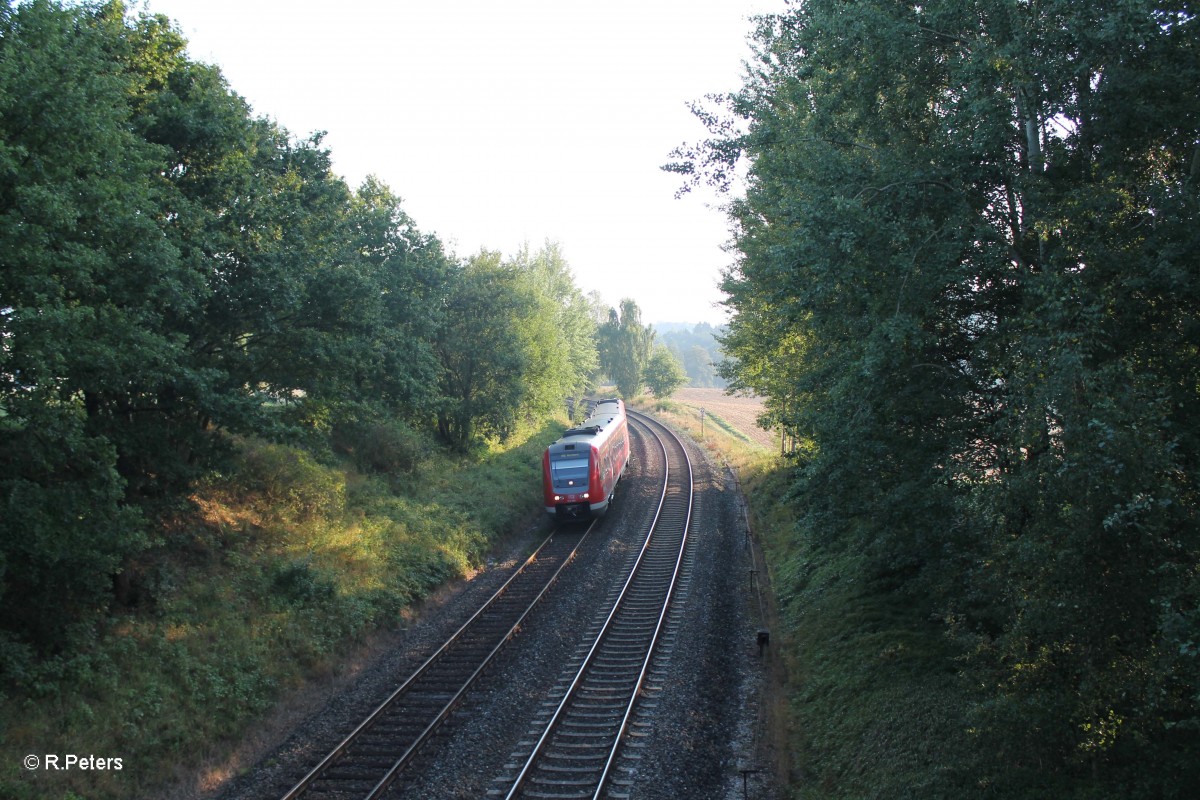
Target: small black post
746,773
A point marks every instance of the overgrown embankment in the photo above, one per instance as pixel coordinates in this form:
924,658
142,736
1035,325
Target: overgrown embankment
278,567
868,701
884,694
874,703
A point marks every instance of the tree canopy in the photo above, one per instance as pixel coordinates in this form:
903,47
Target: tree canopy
517,340
175,269
625,345
966,276
663,373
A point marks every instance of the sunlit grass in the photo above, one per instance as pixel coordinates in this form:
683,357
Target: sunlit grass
284,564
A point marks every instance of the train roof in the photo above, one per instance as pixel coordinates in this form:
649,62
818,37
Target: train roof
606,415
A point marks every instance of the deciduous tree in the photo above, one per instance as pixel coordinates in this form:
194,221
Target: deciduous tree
625,345
663,373
967,248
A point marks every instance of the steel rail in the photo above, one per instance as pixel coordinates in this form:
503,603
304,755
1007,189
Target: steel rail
543,742
335,755
657,628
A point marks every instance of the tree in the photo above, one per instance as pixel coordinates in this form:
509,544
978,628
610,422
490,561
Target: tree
516,340
965,249
170,265
570,351
482,356
625,346
406,276
89,284
663,373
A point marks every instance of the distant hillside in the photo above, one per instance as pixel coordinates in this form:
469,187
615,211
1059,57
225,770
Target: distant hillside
696,347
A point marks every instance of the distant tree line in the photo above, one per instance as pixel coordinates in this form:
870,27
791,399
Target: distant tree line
698,350
968,280
174,269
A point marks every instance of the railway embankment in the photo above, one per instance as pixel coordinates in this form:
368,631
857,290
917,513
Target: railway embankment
858,697
288,574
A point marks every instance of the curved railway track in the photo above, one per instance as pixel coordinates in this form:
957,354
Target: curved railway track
370,759
576,752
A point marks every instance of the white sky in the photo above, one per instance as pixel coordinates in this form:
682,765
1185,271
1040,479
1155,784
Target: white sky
501,122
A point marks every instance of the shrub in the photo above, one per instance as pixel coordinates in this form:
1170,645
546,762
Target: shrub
382,447
291,482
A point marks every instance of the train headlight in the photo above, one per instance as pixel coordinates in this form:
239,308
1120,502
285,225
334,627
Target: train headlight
557,497
584,495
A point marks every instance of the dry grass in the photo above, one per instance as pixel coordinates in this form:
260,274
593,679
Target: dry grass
740,412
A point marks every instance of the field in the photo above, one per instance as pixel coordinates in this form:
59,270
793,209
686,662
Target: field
739,413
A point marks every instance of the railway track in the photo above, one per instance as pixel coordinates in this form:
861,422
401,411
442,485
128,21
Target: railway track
370,759
575,754
582,739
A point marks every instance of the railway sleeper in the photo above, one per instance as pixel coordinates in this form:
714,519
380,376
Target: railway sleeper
620,638
629,662
606,708
350,778
591,727
571,769
588,779
433,696
609,713
625,681
596,756
590,739
574,745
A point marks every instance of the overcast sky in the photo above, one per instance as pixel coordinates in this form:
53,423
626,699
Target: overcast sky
501,122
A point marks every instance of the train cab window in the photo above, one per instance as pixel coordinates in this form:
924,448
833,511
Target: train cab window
570,472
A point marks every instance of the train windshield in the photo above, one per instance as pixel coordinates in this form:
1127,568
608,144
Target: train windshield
570,472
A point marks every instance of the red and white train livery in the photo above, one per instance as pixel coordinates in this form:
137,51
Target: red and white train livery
581,469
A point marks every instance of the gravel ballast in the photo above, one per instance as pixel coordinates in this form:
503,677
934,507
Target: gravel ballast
696,733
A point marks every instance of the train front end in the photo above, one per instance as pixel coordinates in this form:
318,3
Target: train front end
580,470
570,480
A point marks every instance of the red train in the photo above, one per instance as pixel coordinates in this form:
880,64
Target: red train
581,469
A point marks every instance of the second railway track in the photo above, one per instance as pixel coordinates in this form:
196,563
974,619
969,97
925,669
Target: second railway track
575,754
370,759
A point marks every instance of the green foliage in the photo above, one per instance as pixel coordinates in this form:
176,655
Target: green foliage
381,447
966,277
663,373
63,533
87,272
180,280
290,481
282,566
515,342
175,271
483,353
625,346
570,344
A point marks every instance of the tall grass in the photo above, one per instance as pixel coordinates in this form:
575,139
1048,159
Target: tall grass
284,562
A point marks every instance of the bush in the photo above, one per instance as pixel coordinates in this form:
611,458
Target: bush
382,447
64,533
296,583
289,481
